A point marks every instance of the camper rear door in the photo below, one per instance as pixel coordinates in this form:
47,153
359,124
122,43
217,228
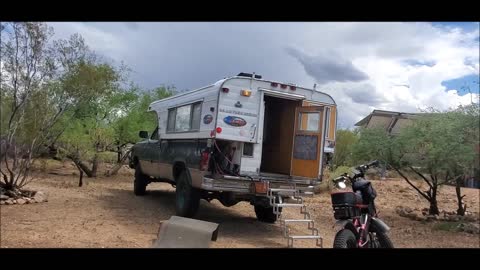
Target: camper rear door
307,142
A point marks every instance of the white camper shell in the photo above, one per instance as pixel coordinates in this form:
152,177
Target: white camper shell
277,129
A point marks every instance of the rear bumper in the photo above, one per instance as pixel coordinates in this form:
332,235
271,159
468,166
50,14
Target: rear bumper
251,186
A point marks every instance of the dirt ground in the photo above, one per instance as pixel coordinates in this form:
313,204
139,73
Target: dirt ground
106,214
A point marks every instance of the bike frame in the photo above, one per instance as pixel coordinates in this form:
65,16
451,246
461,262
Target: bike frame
362,225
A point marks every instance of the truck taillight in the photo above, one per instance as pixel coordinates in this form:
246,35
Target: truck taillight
204,161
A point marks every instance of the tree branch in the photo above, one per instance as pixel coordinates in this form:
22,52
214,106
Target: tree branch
421,175
412,185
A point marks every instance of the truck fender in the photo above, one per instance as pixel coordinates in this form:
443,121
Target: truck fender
178,162
378,225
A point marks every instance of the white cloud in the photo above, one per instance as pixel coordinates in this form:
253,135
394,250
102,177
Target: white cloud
404,63
107,43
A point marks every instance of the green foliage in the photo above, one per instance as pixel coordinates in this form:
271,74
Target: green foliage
436,142
345,140
136,116
447,226
443,143
107,157
375,143
87,127
59,92
339,171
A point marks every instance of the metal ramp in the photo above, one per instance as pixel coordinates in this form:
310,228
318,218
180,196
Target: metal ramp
296,201
180,232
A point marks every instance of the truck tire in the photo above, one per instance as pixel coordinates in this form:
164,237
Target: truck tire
140,183
345,239
265,214
187,198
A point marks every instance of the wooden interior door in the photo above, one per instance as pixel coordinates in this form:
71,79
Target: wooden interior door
307,141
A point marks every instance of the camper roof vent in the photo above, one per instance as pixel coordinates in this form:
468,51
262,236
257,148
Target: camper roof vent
243,74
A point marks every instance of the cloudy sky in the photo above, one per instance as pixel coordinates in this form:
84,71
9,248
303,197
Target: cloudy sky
364,66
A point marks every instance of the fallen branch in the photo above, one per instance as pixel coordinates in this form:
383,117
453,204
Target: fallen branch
119,165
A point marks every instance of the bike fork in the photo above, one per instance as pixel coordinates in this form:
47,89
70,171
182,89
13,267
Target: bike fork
362,225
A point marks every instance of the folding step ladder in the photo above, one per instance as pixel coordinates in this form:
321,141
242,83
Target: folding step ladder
276,195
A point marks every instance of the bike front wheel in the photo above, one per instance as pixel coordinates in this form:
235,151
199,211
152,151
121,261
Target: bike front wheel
345,239
380,240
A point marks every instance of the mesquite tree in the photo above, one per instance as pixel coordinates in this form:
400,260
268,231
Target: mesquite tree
33,98
438,147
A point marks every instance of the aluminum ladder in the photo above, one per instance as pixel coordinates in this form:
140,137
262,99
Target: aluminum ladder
275,196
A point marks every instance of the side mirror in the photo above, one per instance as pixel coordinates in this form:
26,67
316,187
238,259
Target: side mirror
143,134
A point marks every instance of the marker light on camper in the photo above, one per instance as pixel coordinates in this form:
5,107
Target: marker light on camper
246,93
225,90
219,130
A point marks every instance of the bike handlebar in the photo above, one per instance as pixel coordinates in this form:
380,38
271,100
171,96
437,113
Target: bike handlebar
373,163
368,165
361,168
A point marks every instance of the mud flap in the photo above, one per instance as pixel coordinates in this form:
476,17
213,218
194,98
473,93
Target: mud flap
345,224
180,232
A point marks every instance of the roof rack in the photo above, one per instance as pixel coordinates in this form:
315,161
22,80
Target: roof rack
243,74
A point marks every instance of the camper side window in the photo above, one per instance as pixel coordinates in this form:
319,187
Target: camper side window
184,118
196,113
171,120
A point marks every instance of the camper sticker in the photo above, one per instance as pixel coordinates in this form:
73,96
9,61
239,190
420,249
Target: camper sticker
238,112
235,121
207,119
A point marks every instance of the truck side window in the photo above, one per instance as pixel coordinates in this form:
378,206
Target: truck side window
154,134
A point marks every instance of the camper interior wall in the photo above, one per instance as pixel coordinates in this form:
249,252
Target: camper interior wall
278,135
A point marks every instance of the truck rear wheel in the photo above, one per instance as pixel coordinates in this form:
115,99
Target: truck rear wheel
187,198
265,214
140,183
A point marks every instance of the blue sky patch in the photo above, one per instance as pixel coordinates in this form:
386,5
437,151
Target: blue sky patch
466,26
413,62
463,83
